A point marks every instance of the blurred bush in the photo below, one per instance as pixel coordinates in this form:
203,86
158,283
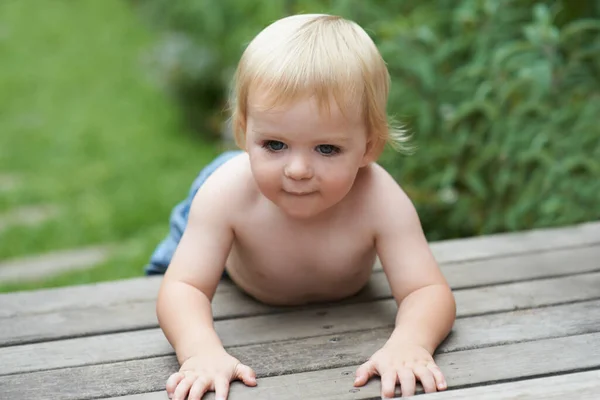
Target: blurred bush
502,97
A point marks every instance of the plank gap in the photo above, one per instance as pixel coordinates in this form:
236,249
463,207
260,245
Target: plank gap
131,317
517,253
562,303
342,363
419,389
359,298
99,363
510,247
576,319
77,336
501,344
531,279
315,307
521,378
125,378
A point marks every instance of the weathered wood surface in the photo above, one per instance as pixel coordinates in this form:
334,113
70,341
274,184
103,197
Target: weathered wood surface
30,327
446,252
329,378
490,329
528,307
580,386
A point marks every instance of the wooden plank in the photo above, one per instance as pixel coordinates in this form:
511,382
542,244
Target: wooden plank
489,246
578,385
446,252
119,318
325,377
530,294
115,318
523,267
474,273
468,333
80,296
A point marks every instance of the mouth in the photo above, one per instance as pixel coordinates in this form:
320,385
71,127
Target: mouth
300,193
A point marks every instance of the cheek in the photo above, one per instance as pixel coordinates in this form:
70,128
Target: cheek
264,170
339,177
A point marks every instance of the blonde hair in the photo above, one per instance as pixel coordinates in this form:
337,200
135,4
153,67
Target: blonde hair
317,55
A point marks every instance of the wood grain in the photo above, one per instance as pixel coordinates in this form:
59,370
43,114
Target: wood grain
474,332
229,302
322,379
528,306
446,252
524,242
80,296
578,385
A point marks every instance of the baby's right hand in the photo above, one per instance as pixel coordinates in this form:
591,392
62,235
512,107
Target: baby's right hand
213,370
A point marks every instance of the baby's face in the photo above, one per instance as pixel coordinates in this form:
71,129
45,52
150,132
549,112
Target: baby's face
304,161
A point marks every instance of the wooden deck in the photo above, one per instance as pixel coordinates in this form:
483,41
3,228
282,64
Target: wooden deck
528,327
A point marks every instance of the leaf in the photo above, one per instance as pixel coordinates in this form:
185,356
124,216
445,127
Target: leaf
541,14
475,184
507,51
579,27
471,112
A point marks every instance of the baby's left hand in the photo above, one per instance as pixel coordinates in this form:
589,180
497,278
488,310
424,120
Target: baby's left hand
404,363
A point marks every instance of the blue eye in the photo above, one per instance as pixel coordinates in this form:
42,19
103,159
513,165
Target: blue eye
328,149
274,145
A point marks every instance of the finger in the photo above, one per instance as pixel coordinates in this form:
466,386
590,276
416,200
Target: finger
198,389
407,381
245,374
221,389
426,378
363,373
440,380
388,384
183,388
172,383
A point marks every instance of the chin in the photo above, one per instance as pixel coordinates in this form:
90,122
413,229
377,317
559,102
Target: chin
298,213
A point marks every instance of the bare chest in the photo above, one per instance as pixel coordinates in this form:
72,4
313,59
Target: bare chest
286,264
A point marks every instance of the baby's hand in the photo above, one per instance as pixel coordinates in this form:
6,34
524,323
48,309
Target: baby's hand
212,370
404,363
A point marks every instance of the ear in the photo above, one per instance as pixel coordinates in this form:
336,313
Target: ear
373,150
239,131
366,160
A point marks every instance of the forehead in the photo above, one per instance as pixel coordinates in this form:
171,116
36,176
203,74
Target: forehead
304,113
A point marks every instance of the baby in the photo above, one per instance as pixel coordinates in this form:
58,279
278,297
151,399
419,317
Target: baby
300,214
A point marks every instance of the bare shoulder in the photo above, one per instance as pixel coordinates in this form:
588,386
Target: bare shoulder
378,188
202,251
228,188
384,199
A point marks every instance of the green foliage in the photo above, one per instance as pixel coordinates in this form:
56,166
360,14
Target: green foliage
82,131
501,97
196,57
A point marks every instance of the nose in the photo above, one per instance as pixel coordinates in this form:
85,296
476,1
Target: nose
298,168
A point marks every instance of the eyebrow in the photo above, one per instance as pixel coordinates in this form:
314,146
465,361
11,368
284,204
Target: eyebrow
275,136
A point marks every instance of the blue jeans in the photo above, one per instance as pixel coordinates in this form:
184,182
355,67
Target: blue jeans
161,258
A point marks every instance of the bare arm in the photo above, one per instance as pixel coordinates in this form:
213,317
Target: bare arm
184,300
427,308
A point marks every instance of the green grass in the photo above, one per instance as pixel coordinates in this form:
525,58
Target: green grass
83,129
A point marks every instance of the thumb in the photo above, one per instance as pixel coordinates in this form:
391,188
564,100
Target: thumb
363,373
245,374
